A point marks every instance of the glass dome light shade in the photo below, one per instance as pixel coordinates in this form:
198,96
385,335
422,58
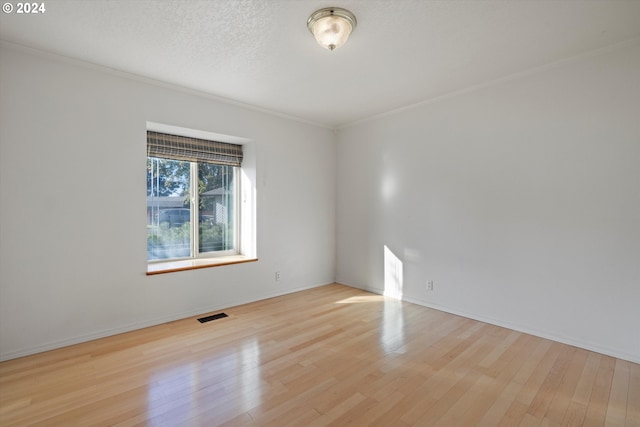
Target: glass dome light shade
331,26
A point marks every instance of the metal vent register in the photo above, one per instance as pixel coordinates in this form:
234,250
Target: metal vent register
212,317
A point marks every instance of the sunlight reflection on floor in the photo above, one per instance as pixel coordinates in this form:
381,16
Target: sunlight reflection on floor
361,298
165,389
178,389
392,327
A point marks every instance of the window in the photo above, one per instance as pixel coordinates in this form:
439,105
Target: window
192,197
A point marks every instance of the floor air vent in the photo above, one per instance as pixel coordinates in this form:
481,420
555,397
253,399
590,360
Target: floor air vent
212,317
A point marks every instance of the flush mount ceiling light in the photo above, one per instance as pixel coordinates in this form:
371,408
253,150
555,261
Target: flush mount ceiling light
331,26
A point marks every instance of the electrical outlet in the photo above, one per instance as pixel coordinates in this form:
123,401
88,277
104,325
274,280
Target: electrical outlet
277,276
430,285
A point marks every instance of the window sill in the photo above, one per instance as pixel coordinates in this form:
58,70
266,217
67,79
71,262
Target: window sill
193,264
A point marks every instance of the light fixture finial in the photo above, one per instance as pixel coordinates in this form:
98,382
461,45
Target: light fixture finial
331,26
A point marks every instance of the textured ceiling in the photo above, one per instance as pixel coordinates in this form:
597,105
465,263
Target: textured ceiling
259,52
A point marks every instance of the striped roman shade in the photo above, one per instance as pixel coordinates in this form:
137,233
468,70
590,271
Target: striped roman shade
177,147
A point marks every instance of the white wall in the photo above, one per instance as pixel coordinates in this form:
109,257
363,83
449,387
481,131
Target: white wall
72,204
521,200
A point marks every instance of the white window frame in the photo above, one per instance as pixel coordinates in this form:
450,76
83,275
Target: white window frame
195,217
246,202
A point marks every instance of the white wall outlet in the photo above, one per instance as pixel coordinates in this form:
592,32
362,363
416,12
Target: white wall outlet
277,276
430,285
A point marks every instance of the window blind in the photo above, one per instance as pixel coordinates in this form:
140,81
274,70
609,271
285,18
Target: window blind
176,147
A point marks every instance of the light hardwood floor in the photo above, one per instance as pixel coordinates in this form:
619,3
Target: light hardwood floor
331,356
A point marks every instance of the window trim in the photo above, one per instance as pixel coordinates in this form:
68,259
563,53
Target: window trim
176,265
245,179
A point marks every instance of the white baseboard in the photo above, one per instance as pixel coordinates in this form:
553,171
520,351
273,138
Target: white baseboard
206,309
516,327
52,345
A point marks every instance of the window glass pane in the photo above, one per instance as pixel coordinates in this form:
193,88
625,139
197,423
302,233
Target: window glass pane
216,207
168,209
